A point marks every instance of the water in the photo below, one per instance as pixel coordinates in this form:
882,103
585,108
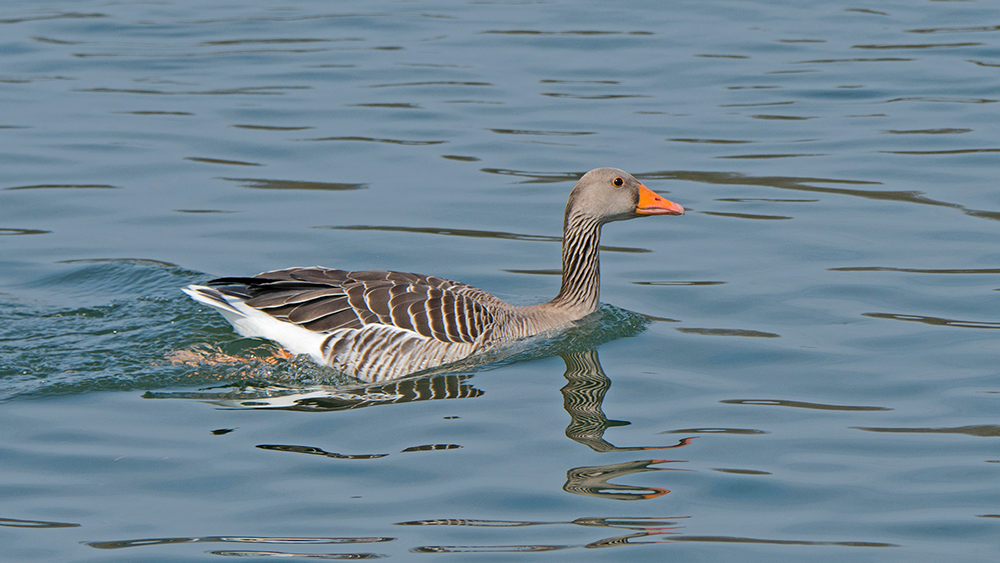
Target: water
818,378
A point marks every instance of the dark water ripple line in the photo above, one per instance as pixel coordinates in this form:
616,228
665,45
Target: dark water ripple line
866,11
266,184
538,132
316,451
804,184
942,152
177,113
720,56
221,161
536,177
18,232
275,18
855,60
983,431
801,405
64,15
593,96
728,332
763,156
276,41
732,539
121,261
248,90
430,83
764,199
28,80
664,537
572,32
741,471
783,117
398,105
916,270
679,283
66,187
970,29
202,211
431,448
918,46
538,272
208,54
145,542
17,523
648,523
762,104
946,131
489,548
738,431
272,127
374,140
556,81
747,216
935,321
712,141
286,554
474,234
944,100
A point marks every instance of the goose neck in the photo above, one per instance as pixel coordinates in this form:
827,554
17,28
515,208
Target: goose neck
581,270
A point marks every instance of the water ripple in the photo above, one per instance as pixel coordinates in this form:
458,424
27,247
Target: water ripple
936,321
221,161
983,431
728,332
65,187
376,140
475,234
9,232
801,405
266,184
16,523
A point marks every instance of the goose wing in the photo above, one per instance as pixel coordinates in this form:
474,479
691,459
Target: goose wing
325,300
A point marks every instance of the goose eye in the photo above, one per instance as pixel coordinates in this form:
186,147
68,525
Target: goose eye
618,182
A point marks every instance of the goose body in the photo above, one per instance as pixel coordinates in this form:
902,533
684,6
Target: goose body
380,325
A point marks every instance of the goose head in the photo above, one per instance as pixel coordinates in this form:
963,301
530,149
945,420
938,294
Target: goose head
609,194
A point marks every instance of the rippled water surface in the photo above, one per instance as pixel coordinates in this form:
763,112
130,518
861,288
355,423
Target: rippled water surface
802,367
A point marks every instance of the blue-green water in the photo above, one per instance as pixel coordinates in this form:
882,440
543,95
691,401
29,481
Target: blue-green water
811,352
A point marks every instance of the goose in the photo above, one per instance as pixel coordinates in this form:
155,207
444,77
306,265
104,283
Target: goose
379,325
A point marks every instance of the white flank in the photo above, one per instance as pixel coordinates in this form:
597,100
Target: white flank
252,323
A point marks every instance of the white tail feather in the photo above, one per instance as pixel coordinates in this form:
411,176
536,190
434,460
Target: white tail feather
252,323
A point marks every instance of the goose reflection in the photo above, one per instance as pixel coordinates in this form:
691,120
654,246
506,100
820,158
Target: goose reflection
583,399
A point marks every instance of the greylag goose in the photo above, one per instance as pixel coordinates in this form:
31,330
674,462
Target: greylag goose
378,325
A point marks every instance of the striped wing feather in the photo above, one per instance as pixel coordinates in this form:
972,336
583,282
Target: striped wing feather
325,300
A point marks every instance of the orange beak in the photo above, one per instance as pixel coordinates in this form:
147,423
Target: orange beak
652,204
